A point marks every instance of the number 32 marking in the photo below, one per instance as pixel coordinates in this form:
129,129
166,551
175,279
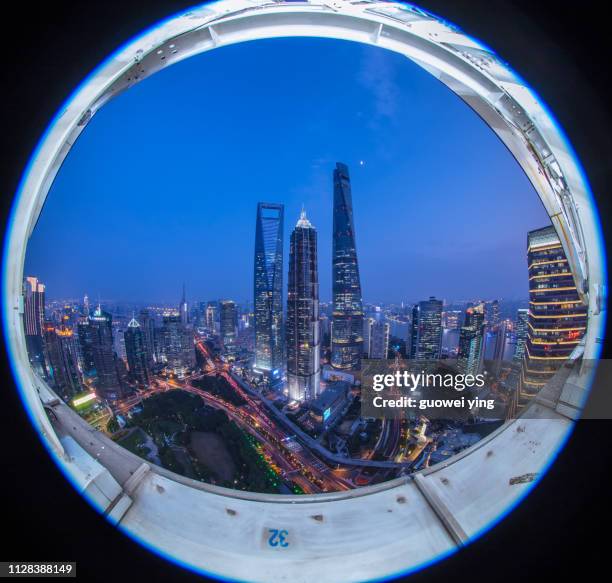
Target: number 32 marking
278,538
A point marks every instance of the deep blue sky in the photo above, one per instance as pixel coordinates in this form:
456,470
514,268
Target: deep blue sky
162,185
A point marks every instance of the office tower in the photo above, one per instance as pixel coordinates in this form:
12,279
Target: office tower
228,325
85,336
502,333
136,352
493,314
303,326
147,327
119,338
211,317
179,349
522,329
347,323
268,289
101,330
184,309
469,357
378,339
62,361
413,334
33,320
451,319
86,305
557,315
426,332
367,326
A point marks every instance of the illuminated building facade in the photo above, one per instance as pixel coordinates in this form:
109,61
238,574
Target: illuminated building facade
184,308
469,357
426,335
136,353
85,334
521,331
147,327
210,317
178,346
101,328
228,326
33,321
377,335
557,315
492,314
303,326
62,360
268,289
451,319
347,317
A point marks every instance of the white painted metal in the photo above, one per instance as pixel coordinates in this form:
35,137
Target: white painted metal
371,532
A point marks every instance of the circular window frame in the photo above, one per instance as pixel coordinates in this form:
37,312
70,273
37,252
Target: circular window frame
124,488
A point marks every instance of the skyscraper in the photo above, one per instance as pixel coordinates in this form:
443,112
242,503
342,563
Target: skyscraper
147,327
522,329
101,329
85,334
557,315
492,314
268,289
469,358
502,335
378,339
413,334
62,359
179,349
228,326
211,317
136,352
33,320
184,308
347,322
426,333
303,326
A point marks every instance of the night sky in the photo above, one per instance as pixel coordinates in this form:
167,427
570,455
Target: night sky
162,185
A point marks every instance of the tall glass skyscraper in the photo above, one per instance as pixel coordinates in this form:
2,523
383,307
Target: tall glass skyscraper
377,339
469,359
33,320
347,317
522,330
85,334
178,344
426,333
303,326
62,359
136,353
101,329
147,327
268,289
557,315
184,308
228,326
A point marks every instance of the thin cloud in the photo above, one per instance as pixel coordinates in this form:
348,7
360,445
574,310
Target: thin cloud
377,74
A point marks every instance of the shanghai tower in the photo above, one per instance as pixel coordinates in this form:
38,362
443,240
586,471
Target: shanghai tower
347,320
268,290
303,326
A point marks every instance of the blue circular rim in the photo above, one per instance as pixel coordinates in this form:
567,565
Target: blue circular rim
60,464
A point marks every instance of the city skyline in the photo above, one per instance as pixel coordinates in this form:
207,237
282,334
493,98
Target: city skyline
175,213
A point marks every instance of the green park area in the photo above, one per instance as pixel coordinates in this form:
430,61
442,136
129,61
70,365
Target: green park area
198,441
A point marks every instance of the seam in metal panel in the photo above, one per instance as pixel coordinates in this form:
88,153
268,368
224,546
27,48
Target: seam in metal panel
444,515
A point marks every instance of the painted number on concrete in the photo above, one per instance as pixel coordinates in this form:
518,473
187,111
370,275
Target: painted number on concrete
278,538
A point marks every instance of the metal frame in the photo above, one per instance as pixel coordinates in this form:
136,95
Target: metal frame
418,519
